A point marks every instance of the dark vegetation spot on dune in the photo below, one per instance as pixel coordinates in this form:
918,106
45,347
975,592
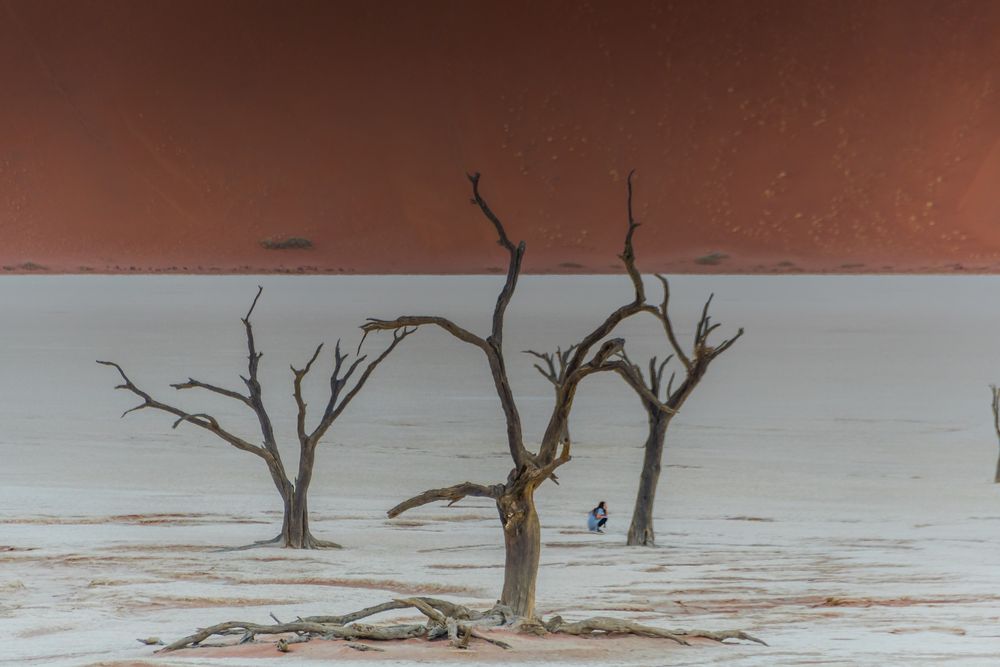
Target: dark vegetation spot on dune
494,269
785,263
711,259
852,265
31,266
287,243
570,265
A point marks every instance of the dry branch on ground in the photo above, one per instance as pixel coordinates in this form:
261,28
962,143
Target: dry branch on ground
458,623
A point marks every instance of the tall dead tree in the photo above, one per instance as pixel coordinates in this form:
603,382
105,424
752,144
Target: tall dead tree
996,425
295,531
660,411
514,497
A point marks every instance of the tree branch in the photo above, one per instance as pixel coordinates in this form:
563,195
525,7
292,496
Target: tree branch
695,364
420,320
451,493
996,409
196,384
577,361
299,375
564,457
333,408
253,385
634,379
201,420
513,266
726,344
491,346
628,254
664,316
548,373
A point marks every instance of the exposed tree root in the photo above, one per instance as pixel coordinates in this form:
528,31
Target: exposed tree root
364,647
445,619
607,625
309,543
252,545
315,543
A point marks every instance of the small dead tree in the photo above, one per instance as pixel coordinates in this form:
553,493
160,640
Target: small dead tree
514,498
996,425
295,531
659,412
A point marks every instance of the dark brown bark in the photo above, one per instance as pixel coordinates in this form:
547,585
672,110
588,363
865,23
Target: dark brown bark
294,495
515,498
640,531
996,425
522,537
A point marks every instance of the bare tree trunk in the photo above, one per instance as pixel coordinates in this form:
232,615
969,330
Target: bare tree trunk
640,532
996,424
522,536
295,526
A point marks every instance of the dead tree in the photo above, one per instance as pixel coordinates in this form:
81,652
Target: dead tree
295,531
660,411
996,424
514,497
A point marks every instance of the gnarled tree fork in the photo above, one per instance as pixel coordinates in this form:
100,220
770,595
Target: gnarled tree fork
660,411
295,532
514,498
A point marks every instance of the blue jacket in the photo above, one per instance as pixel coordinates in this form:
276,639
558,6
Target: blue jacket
592,519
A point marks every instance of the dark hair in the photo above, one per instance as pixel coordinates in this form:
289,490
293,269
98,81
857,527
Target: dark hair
599,506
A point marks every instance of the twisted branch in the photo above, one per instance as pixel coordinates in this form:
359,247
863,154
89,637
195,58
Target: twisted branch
200,420
695,362
577,360
450,493
196,384
492,346
606,625
334,408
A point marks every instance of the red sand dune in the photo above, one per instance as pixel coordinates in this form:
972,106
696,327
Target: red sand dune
179,134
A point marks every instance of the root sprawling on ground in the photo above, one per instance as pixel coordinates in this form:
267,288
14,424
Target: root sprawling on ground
445,619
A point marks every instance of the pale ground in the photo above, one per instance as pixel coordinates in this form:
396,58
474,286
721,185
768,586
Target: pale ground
827,488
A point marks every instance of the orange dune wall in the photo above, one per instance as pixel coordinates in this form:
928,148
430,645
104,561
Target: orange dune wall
177,135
